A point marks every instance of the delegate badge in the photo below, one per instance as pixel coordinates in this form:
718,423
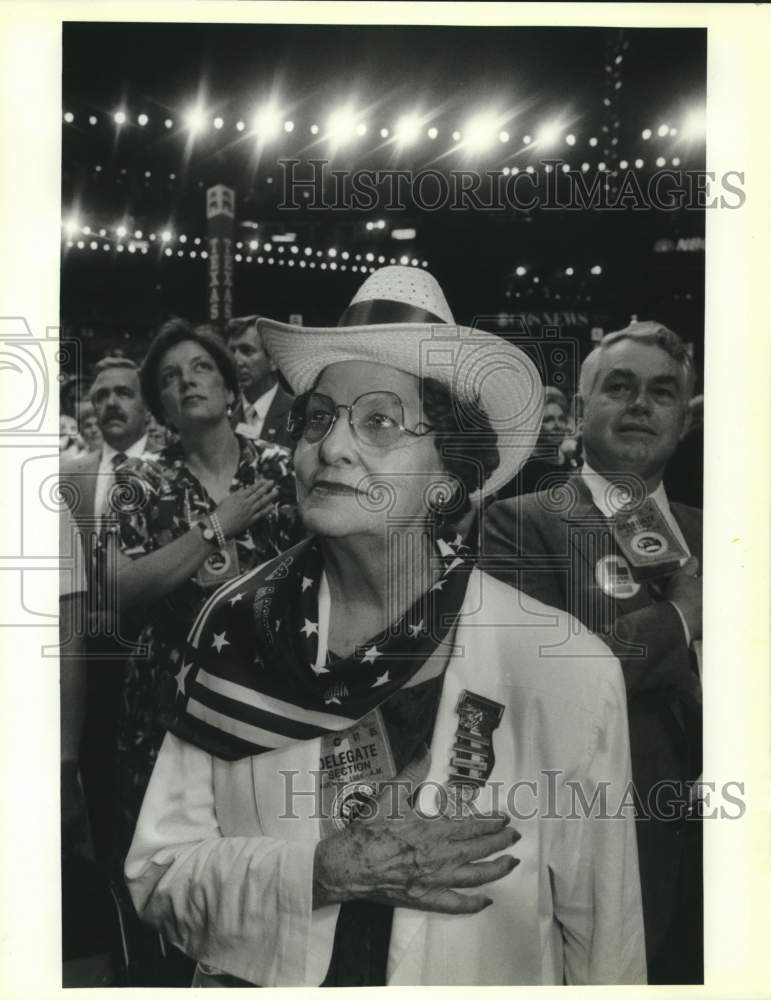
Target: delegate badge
352,765
614,577
473,759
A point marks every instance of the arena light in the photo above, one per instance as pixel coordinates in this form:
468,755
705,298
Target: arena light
623,164
403,234
195,119
341,126
521,271
596,269
407,129
384,133
168,123
142,120
218,122
503,136
166,235
549,134
569,271
432,133
661,161
92,119
479,132
526,139
639,163
267,121
570,139
675,161
289,126
69,117
119,117
456,136
361,129
121,231
240,125
695,124
72,225
662,130
593,140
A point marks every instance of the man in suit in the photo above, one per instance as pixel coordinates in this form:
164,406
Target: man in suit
558,546
86,481
262,410
122,419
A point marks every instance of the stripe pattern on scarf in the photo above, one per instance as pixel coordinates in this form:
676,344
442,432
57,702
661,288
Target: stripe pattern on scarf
250,681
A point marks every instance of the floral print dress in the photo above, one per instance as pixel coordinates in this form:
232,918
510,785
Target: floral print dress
163,499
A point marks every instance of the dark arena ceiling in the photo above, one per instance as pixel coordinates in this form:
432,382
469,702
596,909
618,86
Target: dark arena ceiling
250,106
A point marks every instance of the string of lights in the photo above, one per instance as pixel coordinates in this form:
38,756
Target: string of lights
345,127
120,239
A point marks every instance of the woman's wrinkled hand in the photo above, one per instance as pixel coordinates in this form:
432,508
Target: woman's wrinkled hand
401,857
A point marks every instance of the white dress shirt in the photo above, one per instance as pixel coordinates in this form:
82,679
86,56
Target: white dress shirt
256,412
106,476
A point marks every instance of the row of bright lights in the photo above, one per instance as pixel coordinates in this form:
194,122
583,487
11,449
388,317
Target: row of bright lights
133,248
72,229
602,166
521,271
345,125
323,265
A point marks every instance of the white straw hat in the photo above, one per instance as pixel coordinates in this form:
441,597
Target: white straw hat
400,317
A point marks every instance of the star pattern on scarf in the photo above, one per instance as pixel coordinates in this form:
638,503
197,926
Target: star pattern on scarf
310,628
371,654
181,677
439,584
219,641
415,630
382,679
238,597
307,583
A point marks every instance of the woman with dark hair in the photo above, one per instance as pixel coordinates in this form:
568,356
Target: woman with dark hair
363,721
209,506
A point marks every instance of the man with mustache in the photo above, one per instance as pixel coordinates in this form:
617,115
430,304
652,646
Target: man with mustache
86,482
262,411
561,549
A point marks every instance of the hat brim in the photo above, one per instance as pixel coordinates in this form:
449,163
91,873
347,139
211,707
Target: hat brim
476,366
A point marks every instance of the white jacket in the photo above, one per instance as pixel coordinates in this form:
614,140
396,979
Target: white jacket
224,868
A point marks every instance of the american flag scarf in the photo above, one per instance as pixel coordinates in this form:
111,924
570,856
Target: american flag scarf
250,680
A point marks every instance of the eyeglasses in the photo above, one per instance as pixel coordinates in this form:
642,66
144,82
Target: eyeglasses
375,418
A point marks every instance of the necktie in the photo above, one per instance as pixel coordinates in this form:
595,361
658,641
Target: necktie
117,460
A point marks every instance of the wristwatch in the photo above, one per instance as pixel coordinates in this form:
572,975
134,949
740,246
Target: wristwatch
208,532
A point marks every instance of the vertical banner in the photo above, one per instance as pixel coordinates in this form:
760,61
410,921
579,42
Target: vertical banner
220,230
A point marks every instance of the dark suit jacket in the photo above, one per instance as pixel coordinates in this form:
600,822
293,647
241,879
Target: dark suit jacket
78,477
548,546
274,427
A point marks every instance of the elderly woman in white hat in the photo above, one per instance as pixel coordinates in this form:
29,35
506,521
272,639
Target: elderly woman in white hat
368,724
